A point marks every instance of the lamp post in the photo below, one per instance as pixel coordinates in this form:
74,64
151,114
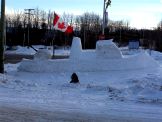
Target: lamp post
2,36
105,7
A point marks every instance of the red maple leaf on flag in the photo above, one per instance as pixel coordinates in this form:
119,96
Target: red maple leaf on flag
61,25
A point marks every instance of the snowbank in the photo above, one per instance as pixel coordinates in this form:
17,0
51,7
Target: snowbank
106,57
42,54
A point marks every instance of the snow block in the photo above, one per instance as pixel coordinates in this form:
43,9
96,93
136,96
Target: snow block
76,48
107,49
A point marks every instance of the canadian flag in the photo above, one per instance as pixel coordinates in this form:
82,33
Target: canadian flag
60,25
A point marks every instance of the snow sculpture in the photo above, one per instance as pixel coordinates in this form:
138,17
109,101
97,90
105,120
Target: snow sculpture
42,54
107,49
76,48
106,57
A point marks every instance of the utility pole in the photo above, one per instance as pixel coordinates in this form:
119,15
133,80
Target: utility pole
29,14
105,7
2,36
103,23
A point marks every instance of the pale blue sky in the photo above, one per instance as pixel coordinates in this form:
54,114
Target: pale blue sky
139,13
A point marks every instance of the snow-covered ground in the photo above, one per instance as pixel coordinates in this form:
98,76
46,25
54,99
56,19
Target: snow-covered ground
135,95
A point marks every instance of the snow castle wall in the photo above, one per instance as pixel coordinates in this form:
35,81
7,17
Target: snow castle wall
107,49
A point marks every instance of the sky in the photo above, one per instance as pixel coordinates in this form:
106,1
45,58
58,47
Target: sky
139,13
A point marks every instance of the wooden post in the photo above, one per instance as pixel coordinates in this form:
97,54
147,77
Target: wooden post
2,36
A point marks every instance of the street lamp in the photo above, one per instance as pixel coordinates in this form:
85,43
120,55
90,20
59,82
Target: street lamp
105,7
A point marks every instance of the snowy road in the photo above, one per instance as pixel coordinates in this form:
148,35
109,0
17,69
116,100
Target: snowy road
16,114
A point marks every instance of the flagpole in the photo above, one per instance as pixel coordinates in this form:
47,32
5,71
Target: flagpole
53,52
105,7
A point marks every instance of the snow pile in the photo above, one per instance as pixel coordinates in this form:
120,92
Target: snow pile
107,59
3,78
42,54
22,50
148,89
157,56
30,51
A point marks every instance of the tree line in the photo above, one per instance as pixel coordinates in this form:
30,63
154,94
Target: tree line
20,30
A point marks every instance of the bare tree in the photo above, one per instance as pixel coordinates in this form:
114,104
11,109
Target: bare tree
89,25
44,18
50,19
160,25
17,20
36,18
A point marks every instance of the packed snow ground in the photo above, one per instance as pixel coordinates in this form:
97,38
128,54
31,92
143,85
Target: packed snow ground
131,94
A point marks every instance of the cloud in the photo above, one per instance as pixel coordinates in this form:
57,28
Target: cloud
138,18
144,20
147,16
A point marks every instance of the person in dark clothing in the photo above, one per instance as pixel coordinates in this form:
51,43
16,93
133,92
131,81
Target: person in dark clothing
74,78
